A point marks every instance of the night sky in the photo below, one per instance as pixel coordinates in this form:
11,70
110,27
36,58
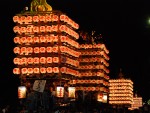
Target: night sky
123,25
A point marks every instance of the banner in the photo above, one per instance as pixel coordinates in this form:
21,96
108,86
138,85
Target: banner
39,85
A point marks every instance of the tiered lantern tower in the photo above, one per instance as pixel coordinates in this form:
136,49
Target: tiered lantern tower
46,46
121,91
93,69
137,102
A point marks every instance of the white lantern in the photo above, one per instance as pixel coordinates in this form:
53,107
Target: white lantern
71,91
60,91
22,92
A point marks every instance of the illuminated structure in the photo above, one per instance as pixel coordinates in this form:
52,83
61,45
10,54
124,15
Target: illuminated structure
137,103
46,46
93,69
121,91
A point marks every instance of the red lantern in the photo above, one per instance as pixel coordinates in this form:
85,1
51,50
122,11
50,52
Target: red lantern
42,28
49,59
48,28
16,60
36,70
29,50
47,18
56,70
35,18
36,39
43,70
42,18
24,60
55,18
16,19
28,19
36,50
36,29
48,39
42,60
24,70
54,28
30,70
23,50
16,71
30,60
36,60
55,59
62,17
63,38
55,49
23,40
29,40
42,49
29,29
49,70
16,29
42,39
17,40
63,69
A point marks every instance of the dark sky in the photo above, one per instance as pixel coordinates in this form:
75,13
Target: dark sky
122,23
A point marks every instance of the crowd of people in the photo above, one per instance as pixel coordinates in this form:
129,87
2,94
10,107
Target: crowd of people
47,102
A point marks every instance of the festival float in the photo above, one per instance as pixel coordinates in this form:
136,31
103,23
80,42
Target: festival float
121,91
93,79
46,50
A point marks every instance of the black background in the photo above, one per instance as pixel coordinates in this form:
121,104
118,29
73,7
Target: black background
123,25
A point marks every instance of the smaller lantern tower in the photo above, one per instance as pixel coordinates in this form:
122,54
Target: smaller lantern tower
121,91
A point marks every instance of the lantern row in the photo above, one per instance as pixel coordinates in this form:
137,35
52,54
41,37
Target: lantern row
124,94
121,91
120,102
137,99
44,60
87,67
120,81
94,59
45,39
94,46
89,53
137,102
32,19
87,81
137,105
89,74
32,29
103,89
49,49
43,70
120,98
122,84
121,87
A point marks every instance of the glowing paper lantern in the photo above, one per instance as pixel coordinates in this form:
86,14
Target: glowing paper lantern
49,70
22,92
35,18
100,97
16,71
16,50
17,40
16,19
49,59
36,39
43,70
60,91
71,92
36,70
